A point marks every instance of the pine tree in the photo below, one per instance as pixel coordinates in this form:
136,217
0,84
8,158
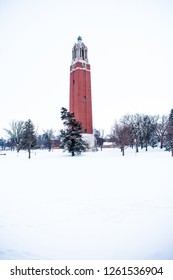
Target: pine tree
48,136
99,140
169,135
2,143
29,139
136,130
146,131
71,135
161,128
171,118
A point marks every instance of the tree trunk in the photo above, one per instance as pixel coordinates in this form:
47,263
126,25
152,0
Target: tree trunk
50,147
18,148
137,150
146,147
122,149
161,143
72,153
29,153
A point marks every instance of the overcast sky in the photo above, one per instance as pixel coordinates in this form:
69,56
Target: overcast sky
130,50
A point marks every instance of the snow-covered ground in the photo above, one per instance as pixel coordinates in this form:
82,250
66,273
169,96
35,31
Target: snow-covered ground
96,206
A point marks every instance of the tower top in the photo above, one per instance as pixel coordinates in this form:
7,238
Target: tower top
79,38
79,52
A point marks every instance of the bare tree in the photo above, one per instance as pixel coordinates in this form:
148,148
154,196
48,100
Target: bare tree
15,132
123,136
134,122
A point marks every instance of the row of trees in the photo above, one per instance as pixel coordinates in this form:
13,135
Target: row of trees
137,130
23,135
141,130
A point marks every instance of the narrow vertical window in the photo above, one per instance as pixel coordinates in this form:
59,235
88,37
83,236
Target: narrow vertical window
83,53
84,98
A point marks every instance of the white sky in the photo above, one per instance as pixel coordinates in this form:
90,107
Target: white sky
130,45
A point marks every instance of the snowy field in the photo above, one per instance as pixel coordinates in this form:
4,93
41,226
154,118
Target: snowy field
96,206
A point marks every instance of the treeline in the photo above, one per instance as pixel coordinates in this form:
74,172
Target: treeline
142,131
23,136
135,131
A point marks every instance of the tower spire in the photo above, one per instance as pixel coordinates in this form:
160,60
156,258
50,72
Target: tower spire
79,38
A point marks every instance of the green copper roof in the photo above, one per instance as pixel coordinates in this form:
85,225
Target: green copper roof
79,38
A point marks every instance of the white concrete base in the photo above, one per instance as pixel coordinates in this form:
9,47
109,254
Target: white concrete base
90,139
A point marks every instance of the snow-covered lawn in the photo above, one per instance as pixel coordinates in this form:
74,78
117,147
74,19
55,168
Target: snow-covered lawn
96,206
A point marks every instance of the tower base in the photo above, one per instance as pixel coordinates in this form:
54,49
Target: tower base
90,139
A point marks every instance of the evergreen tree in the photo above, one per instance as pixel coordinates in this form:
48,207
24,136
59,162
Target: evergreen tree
171,118
153,141
136,130
146,130
169,135
29,139
48,136
2,143
40,141
161,130
71,135
99,140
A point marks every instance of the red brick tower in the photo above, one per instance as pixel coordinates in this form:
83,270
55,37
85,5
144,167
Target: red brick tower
80,86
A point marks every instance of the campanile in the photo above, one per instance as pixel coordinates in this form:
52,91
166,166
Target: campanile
80,86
